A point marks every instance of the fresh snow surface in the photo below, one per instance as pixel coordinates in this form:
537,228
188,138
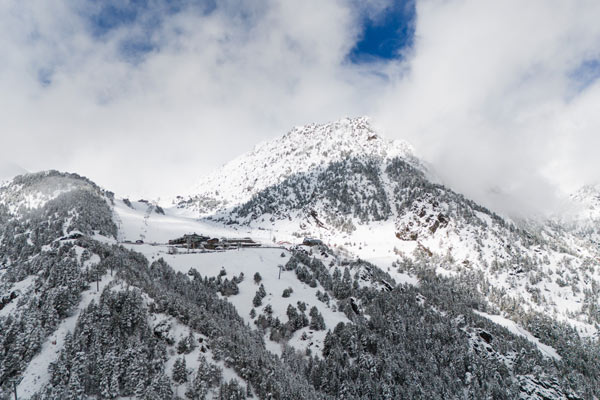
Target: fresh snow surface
36,375
470,247
22,286
375,242
515,329
266,261
381,248
142,222
582,206
580,213
298,151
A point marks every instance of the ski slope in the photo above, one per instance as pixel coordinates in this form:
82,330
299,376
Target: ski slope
141,221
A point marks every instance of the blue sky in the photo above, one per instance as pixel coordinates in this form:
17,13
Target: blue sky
386,35
585,74
383,34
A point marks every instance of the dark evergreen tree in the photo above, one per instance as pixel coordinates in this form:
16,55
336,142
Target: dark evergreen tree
180,371
316,319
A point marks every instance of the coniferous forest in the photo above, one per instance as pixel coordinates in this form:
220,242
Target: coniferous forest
399,341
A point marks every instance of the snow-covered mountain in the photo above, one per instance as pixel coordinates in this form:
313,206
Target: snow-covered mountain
415,291
81,317
301,150
370,198
580,213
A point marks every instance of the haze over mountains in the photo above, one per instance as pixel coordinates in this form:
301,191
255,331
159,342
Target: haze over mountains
405,288
9,171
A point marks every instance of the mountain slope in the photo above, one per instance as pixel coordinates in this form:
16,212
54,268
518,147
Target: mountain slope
95,318
82,317
300,150
402,299
374,201
580,214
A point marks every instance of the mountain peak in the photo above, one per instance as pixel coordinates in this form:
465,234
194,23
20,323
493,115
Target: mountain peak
587,194
352,134
302,149
358,127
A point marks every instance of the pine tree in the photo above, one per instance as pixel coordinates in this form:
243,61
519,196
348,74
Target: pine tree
231,391
316,319
180,371
187,344
260,294
160,388
257,300
75,389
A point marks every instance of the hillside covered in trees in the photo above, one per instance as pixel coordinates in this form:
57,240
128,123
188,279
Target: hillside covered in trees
84,317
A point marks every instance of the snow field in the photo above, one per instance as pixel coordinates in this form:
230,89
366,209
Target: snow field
265,261
137,224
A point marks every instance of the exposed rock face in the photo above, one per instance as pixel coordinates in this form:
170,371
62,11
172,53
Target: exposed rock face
424,219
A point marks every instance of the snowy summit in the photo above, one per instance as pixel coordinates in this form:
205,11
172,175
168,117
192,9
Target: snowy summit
303,149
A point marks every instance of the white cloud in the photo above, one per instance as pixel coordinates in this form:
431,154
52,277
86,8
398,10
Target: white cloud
486,98
214,85
486,95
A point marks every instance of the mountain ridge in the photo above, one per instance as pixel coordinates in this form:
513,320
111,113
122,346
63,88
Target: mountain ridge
416,290
299,150
384,207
